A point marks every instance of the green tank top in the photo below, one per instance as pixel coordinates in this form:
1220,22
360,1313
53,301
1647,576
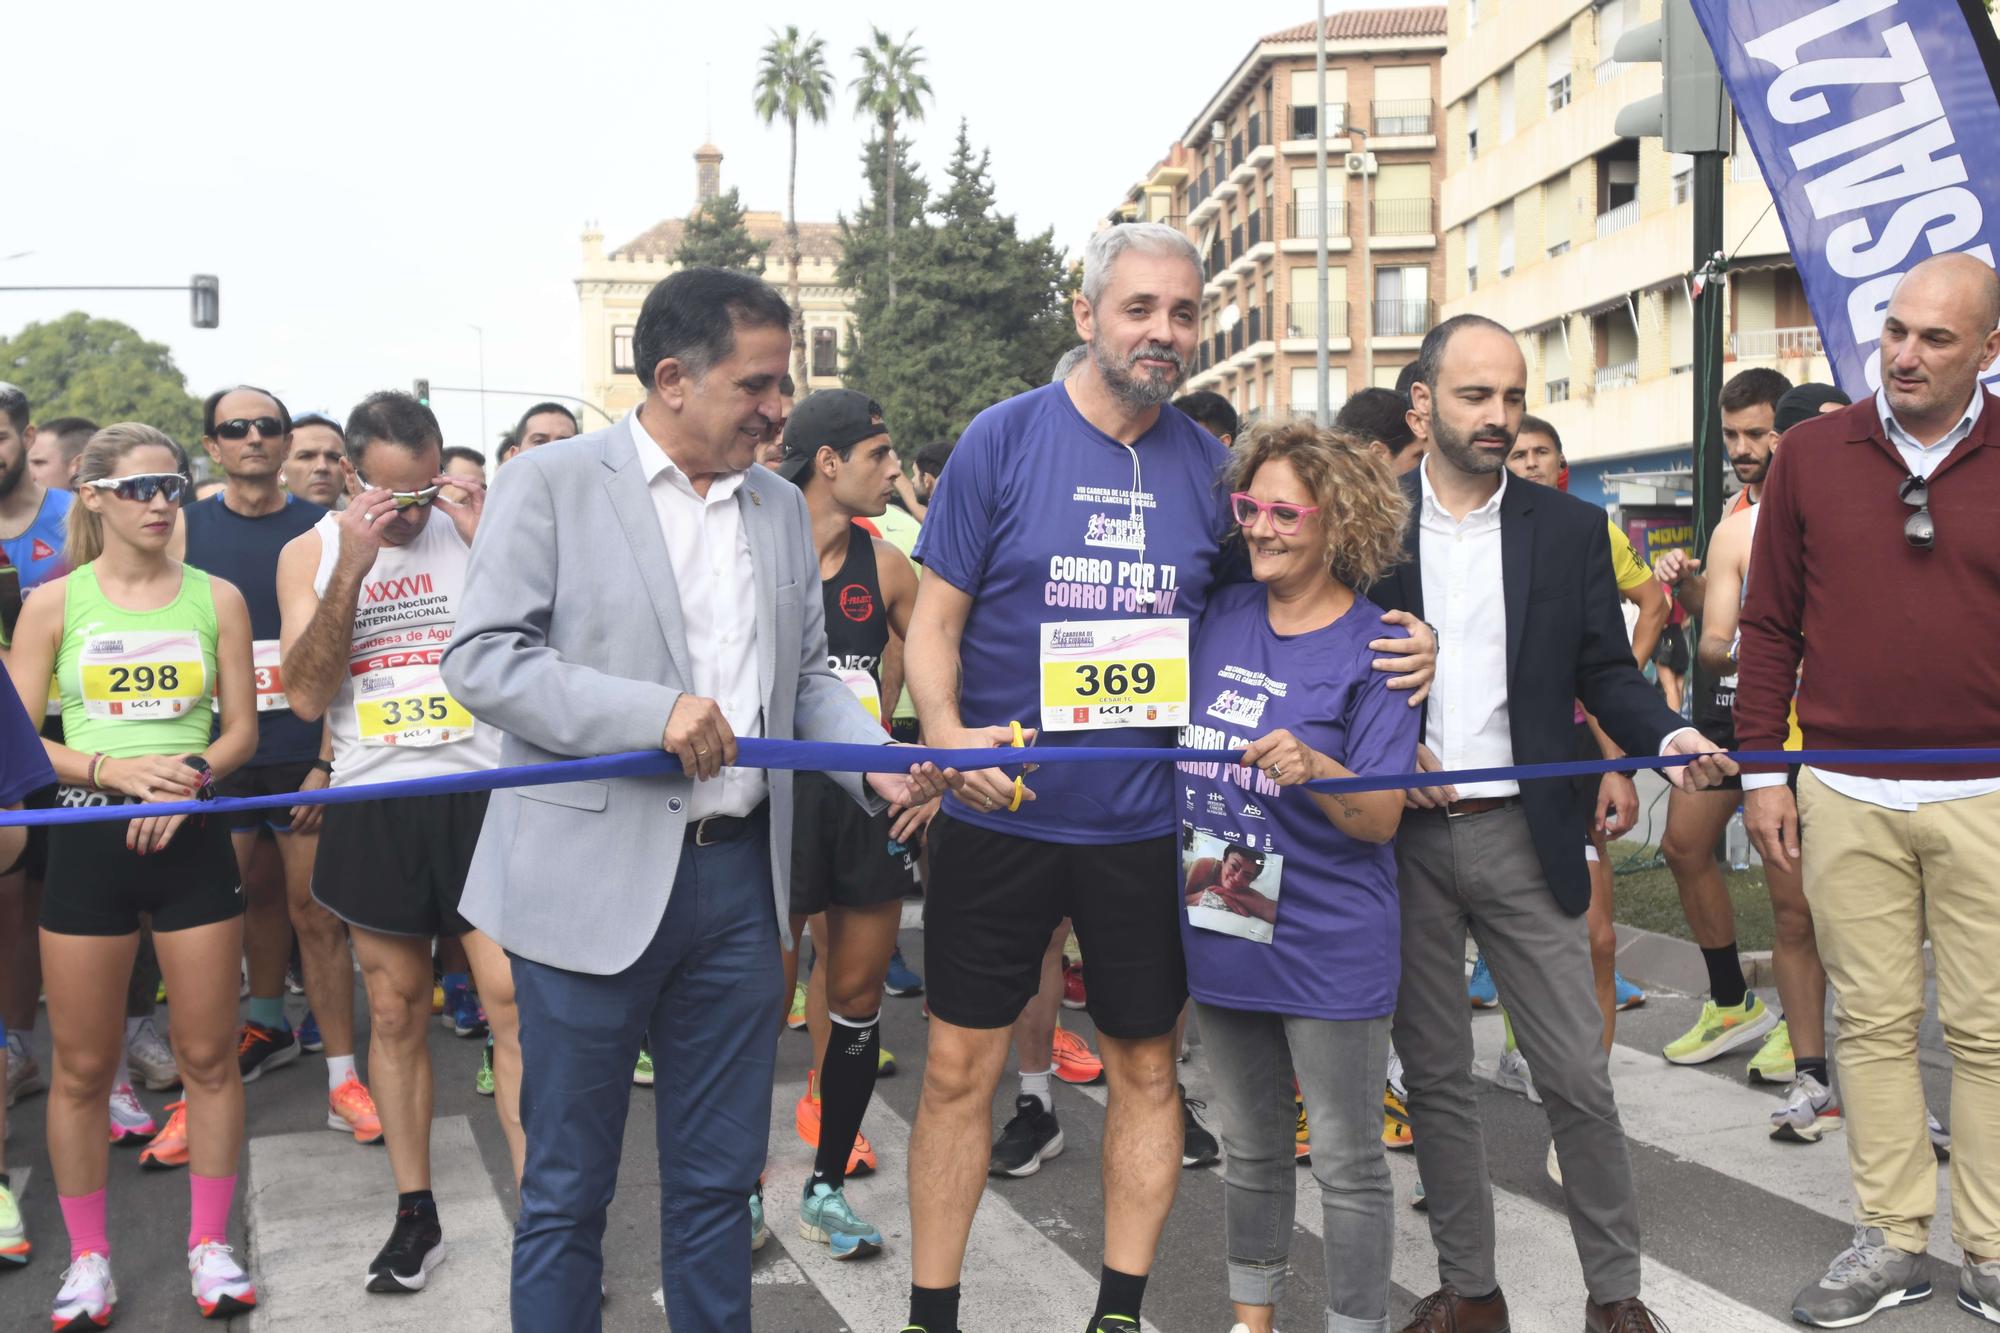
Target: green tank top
137,682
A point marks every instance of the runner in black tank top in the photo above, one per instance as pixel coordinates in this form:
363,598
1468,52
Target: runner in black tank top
845,862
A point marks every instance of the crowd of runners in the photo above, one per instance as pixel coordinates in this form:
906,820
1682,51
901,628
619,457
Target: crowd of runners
1094,562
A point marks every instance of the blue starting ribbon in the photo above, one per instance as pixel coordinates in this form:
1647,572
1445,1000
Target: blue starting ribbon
834,757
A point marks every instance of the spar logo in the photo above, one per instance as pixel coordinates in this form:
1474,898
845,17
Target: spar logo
1128,534
396,590
1239,709
857,603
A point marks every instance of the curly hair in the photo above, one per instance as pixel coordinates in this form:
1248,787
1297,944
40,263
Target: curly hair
1361,508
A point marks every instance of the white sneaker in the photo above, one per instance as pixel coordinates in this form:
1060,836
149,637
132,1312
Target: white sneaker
1940,1137
1396,1075
221,1287
87,1294
1809,1114
1514,1076
1555,1165
24,1076
129,1117
149,1058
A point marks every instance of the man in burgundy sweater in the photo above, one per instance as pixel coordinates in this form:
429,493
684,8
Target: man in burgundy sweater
1880,528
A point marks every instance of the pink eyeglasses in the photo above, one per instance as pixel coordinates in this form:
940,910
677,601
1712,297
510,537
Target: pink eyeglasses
1285,518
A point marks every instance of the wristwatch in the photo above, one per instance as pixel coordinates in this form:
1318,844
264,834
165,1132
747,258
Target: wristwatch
206,791
324,766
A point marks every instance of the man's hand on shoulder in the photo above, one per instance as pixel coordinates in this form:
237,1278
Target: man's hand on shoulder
700,737
1417,657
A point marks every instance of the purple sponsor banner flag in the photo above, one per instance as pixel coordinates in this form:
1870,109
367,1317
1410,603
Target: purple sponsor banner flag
1878,130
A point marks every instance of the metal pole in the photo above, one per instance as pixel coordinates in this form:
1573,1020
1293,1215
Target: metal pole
1322,414
1367,271
1708,325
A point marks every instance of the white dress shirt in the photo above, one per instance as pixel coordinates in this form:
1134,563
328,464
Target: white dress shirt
1465,719
1904,793
711,558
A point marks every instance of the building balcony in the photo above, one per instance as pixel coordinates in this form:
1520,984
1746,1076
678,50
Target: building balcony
1305,222
1399,217
1407,118
1305,126
1776,344
1618,219
1302,321
1558,389
1617,376
1401,319
1178,221
1607,70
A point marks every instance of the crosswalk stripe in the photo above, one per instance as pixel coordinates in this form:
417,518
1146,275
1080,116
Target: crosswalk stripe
319,1207
1014,1275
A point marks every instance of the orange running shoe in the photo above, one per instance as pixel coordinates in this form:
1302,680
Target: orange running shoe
861,1161
350,1108
1302,1151
169,1148
1074,1061
1397,1136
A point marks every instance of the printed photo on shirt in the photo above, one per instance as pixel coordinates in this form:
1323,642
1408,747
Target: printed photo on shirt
1229,887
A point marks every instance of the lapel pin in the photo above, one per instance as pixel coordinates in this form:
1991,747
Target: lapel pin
756,499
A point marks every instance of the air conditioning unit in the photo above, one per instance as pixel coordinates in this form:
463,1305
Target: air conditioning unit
1361,164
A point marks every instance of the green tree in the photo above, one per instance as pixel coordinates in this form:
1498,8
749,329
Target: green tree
891,87
715,234
792,81
103,370
981,312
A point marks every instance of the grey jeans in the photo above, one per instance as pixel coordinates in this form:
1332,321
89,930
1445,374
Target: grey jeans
1340,1067
1481,872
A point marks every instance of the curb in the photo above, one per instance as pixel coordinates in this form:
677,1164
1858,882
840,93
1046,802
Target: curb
1662,962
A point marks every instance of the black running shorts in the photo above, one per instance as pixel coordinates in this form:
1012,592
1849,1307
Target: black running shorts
994,899
840,852
264,780
397,867
95,886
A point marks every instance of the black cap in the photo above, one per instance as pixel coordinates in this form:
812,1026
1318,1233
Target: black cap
833,418
1803,402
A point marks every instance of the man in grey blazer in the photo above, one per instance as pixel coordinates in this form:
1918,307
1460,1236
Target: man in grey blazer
641,586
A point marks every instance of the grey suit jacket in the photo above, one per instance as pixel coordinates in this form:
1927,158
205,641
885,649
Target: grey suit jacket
570,642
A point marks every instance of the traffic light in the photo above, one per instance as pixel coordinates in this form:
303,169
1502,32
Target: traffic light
206,292
422,390
1689,114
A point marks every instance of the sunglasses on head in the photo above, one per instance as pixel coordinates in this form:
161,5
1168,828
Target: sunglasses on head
409,499
1285,518
1918,530
144,486
239,428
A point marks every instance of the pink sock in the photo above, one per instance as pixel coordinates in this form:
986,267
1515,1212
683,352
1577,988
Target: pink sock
84,1216
209,1198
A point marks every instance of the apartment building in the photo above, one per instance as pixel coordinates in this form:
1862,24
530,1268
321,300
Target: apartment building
1582,242
1242,183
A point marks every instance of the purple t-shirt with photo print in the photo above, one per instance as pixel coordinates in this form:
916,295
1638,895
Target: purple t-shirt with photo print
1315,932
1036,518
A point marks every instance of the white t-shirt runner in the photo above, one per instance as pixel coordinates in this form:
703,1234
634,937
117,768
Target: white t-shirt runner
393,719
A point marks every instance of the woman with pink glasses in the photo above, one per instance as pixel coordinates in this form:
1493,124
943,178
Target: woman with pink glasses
1289,916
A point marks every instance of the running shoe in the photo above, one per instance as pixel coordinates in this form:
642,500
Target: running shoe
24,1077
14,1246
901,980
1074,1062
129,1118
1418,1199
1940,1137
885,1062
642,1070
160,992
415,1247
150,1059
260,1049
1868,1277
825,1216
87,1298
1302,1136
1515,1076
169,1148
221,1287
1396,1132
309,1039
758,1233
1979,1288
1028,1140
482,1082
1480,989
1809,1114
861,1159
437,997
1720,1031
1774,1062
795,1020
295,981
350,1108
1114,1323
1554,1165
1198,1146
1074,995
1628,995
468,1017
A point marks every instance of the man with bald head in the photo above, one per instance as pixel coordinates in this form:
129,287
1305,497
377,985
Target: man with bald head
1876,535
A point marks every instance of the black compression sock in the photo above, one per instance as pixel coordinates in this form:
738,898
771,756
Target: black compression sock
935,1309
845,1085
416,1201
1118,1293
1806,1064
1725,976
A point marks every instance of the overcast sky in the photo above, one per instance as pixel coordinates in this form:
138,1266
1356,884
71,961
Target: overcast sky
371,180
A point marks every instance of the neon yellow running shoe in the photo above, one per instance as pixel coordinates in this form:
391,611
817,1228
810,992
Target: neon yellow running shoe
1773,1062
14,1246
796,1019
1720,1030
885,1062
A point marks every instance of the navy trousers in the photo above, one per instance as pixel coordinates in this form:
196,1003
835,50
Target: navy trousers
706,988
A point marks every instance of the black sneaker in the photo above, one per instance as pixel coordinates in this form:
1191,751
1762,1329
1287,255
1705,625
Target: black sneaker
1030,1138
261,1048
415,1247
1198,1146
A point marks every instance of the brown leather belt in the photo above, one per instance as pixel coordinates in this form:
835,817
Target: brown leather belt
1479,805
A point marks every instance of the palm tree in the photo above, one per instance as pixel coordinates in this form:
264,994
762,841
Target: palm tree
890,87
792,81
